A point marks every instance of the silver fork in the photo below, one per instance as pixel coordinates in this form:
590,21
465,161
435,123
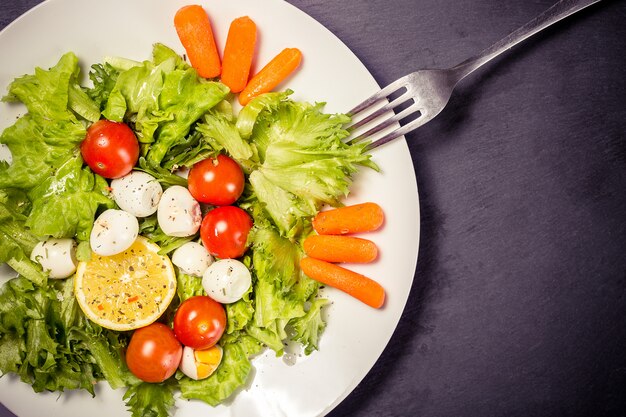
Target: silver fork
430,89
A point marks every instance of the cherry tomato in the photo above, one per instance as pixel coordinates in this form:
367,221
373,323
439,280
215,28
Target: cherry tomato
199,322
218,181
153,354
224,231
110,149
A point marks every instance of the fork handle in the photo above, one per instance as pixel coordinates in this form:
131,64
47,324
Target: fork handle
558,11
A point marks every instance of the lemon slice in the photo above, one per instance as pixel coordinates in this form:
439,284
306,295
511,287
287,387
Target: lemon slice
128,290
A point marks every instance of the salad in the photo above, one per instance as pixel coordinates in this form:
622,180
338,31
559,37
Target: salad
293,160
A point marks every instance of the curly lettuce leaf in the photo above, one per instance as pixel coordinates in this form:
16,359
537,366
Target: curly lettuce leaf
275,257
308,328
51,345
280,291
189,97
150,400
288,211
162,53
232,373
239,314
162,99
12,221
303,159
186,152
103,78
165,176
312,173
65,204
45,137
47,93
16,242
46,162
188,286
82,104
247,117
38,146
135,98
222,134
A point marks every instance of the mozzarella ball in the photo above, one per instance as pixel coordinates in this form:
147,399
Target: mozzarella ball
56,256
192,258
113,232
178,213
137,193
200,364
226,280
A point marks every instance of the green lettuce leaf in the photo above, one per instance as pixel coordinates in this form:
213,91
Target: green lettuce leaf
63,198
189,97
164,175
309,327
50,344
289,212
150,400
16,242
50,132
280,290
248,115
12,228
162,99
134,98
239,314
46,93
80,102
186,152
188,286
38,146
304,161
221,133
64,205
103,78
161,53
275,258
232,373
50,94
11,347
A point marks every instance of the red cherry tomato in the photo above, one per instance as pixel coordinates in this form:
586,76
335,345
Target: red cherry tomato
224,231
153,354
218,181
110,149
199,322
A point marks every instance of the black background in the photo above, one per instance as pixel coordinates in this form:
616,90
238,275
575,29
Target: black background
518,305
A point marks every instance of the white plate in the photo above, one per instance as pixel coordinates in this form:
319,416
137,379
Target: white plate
356,334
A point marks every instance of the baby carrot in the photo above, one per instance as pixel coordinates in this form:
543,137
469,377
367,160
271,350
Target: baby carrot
364,217
340,248
194,31
271,74
238,53
359,286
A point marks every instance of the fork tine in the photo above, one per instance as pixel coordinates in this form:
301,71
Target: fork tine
376,97
386,123
402,130
384,109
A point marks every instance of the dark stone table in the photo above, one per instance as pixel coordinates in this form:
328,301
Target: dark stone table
519,302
